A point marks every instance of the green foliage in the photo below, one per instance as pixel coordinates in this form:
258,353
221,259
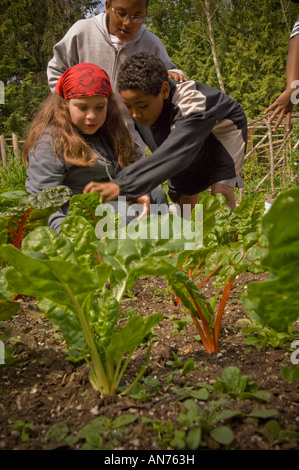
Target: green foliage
23,429
73,296
290,373
251,40
262,337
21,213
12,176
29,30
275,435
275,301
100,434
21,102
238,386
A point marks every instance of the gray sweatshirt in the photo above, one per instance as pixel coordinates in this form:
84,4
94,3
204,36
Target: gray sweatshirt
89,40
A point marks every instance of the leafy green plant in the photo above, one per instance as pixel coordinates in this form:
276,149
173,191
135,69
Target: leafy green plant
275,301
148,388
182,365
21,213
200,422
68,274
197,422
103,433
100,434
12,176
164,431
290,373
262,336
238,386
75,298
232,244
275,435
22,428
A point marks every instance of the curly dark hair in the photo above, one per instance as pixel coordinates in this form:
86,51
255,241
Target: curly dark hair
144,72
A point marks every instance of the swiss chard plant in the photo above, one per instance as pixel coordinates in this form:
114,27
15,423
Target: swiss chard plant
275,301
72,293
21,213
232,243
80,280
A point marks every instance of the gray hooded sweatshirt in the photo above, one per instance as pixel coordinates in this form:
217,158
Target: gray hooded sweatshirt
89,40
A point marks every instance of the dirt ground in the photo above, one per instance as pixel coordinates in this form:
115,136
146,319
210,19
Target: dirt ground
46,400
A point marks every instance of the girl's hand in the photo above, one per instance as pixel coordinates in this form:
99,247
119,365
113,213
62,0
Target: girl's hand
108,191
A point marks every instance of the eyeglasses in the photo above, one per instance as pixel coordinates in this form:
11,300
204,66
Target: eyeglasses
124,16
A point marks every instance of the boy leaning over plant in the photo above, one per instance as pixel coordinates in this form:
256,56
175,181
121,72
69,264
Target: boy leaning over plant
196,133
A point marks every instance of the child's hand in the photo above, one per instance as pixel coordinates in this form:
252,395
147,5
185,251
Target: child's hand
109,191
145,202
177,76
282,106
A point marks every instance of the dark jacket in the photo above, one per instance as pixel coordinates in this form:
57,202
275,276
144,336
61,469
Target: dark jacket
195,118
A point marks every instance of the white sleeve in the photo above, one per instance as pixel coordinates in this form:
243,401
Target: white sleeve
295,29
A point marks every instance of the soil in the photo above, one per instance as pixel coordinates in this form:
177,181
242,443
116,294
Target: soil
41,391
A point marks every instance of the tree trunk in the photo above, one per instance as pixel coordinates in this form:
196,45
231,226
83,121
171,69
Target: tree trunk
212,42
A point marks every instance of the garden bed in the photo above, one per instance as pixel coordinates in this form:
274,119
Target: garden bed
47,401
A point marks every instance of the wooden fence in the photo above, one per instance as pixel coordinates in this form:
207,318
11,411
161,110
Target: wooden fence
271,150
10,142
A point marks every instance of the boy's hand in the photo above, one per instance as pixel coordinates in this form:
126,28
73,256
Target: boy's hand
145,202
177,76
108,191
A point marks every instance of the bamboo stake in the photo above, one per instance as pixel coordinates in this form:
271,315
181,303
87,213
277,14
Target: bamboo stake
254,148
3,150
15,144
271,158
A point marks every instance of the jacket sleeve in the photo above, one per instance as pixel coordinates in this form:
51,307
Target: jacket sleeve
175,154
45,170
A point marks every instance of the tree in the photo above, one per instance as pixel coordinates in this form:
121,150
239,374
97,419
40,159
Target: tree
29,29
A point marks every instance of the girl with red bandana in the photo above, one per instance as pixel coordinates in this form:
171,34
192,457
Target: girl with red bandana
77,136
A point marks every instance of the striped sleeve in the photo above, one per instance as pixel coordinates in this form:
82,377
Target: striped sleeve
295,29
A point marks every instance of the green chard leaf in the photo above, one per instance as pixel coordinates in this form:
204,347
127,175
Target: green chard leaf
29,212
275,301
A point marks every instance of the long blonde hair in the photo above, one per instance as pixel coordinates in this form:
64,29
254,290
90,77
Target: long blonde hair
53,118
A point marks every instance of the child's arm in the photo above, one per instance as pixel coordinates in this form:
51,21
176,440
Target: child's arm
109,191
45,170
283,104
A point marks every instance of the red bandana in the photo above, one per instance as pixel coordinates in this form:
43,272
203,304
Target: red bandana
83,80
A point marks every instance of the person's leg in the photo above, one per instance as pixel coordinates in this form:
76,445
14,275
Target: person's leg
227,191
187,204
